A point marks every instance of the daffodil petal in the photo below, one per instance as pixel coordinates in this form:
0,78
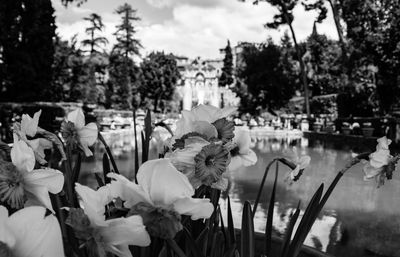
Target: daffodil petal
207,113
94,202
304,161
163,182
194,207
52,179
225,112
125,231
183,159
383,143
29,125
22,156
77,117
88,134
39,145
236,163
379,158
40,196
249,159
37,235
6,235
242,139
221,184
295,172
128,191
371,171
86,150
204,128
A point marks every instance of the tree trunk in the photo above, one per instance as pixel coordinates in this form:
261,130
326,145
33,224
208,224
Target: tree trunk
342,43
302,68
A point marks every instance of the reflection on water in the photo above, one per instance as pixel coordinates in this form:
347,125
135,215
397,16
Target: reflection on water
358,219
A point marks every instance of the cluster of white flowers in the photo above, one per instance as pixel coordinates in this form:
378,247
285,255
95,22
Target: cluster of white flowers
205,146
122,213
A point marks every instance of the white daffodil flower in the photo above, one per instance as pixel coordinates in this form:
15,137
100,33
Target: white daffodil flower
378,159
75,132
114,235
241,154
19,181
300,163
202,162
30,232
160,197
29,127
200,119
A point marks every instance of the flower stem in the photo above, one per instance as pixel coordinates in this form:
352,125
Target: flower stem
262,186
101,138
175,247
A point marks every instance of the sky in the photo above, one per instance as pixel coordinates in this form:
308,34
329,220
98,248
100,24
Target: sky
189,28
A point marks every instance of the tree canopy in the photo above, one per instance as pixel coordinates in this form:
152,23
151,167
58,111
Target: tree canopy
160,75
226,78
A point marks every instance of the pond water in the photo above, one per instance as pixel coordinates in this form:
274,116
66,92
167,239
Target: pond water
358,220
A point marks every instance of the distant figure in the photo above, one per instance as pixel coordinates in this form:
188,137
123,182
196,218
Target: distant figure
112,126
356,128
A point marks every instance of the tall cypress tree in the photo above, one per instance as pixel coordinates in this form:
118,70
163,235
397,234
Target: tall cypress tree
28,31
123,71
226,77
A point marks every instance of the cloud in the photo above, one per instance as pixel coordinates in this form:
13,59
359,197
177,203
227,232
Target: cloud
202,27
172,3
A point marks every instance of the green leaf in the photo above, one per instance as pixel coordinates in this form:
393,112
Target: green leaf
202,240
268,226
247,243
144,149
136,145
98,179
100,137
231,227
175,247
230,252
106,168
289,231
306,222
222,228
77,168
192,244
217,245
262,186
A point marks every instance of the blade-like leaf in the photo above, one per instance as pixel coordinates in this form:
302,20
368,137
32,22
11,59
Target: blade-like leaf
77,168
262,186
247,243
289,231
100,137
202,240
305,223
176,248
230,252
147,125
222,227
231,227
193,246
106,168
268,226
99,180
144,149
136,145
217,245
